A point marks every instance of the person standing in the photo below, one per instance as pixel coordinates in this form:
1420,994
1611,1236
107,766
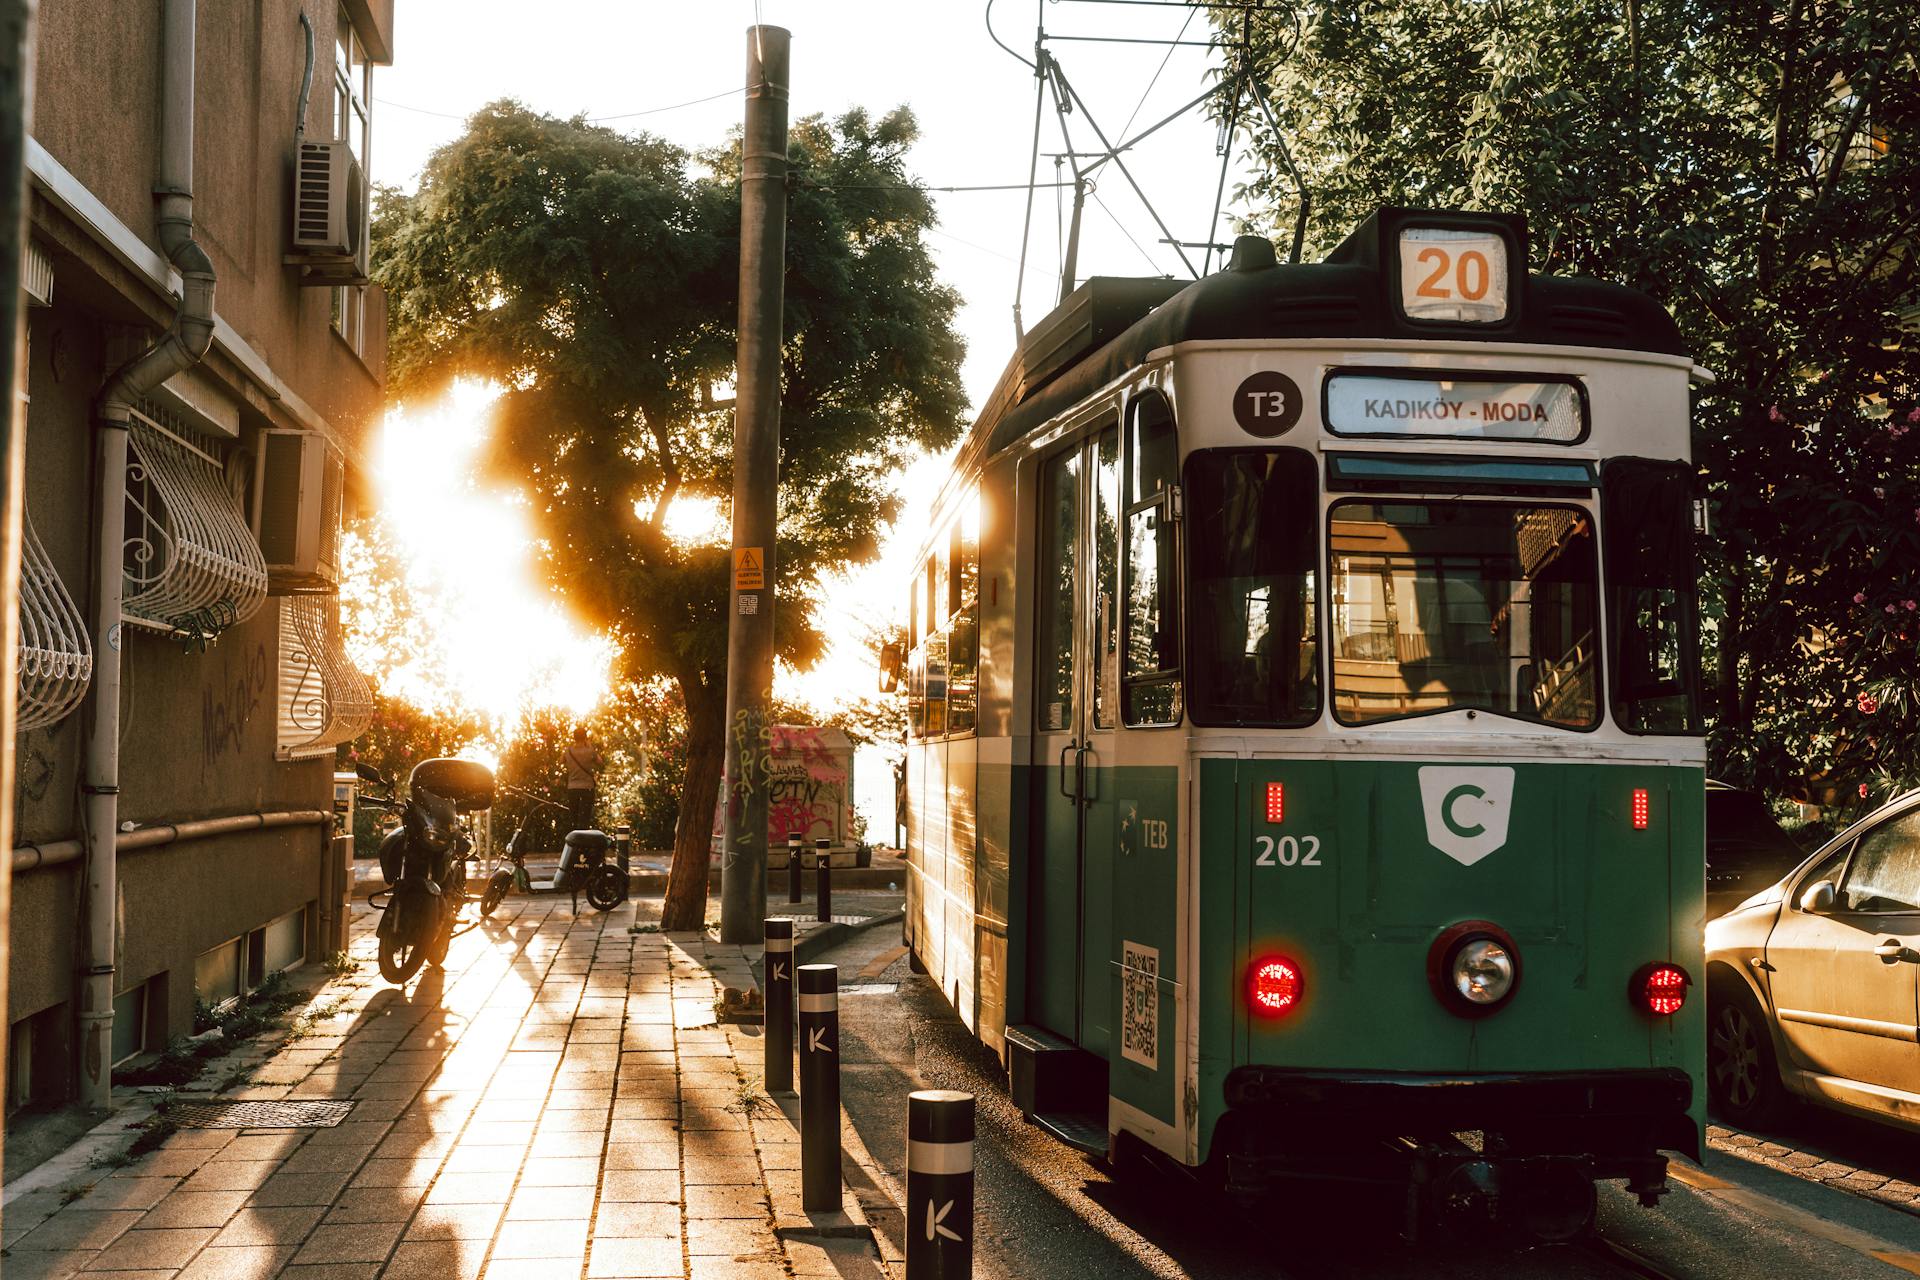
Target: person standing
583,774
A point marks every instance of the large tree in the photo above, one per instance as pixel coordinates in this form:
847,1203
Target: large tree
1755,167
593,276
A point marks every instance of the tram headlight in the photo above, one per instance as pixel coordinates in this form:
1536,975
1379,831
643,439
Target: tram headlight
1474,968
1482,971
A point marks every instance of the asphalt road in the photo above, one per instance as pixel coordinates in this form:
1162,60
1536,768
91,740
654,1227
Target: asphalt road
1043,1209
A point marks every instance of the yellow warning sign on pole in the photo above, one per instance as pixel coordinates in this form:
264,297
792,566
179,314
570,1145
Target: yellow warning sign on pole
749,569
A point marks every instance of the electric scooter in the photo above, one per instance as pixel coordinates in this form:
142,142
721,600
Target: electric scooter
584,865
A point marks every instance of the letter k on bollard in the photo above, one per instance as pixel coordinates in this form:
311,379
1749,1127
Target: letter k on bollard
779,1028
939,1185
819,1088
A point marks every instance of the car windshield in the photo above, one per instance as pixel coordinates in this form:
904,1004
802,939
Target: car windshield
1437,606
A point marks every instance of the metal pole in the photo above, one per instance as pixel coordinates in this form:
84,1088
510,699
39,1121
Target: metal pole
939,1184
819,1088
793,866
16,117
823,880
779,1012
756,459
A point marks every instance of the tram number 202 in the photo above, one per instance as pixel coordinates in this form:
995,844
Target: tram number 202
1287,851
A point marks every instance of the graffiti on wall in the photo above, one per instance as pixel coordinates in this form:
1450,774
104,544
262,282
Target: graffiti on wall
807,786
229,703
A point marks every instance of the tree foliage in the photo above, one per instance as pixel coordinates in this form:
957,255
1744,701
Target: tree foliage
1754,167
593,275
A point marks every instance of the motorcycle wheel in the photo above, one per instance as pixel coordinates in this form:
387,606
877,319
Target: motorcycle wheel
400,957
497,885
606,888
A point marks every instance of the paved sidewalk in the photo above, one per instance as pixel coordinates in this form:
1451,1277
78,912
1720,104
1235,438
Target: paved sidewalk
558,1102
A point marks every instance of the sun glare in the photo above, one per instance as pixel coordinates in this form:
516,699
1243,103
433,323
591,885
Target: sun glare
489,638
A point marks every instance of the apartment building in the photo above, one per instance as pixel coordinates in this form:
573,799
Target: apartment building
205,366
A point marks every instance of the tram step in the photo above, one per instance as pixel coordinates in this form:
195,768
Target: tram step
1052,1076
1084,1130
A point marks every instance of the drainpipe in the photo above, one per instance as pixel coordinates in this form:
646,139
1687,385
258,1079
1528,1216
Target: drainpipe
181,347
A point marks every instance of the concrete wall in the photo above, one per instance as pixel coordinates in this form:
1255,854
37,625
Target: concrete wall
97,111
198,727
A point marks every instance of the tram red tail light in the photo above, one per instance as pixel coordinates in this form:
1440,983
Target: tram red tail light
1659,988
1276,802
1275,985
1642,809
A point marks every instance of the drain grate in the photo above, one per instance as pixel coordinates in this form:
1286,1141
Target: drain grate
259,1115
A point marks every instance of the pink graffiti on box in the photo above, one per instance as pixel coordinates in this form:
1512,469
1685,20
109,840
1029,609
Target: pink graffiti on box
809,790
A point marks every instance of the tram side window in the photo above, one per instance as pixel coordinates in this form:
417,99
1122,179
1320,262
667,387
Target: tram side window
1253,516
963,624
1150,645
936,647
1647,512
916,664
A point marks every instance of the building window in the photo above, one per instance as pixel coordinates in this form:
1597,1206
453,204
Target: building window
286,942
129,1024
217,974
353,125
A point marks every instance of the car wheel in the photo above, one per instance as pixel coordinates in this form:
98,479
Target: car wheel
1743,1080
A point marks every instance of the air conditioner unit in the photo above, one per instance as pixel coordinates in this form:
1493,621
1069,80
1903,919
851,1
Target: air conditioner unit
329,215
298,479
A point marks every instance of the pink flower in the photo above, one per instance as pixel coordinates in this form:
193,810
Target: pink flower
1910,605
1868,704
1879,492
1859,597
1889,608
1913,414
1774,414
1863,791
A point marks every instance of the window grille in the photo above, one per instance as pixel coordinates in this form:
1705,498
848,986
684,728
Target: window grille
324,701
192,565
56,658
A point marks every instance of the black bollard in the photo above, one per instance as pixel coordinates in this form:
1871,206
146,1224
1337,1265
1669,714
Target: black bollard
939,1184
819,1088
779,1013
823,870
793,866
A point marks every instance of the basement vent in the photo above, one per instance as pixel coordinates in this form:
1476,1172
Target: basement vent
303,1114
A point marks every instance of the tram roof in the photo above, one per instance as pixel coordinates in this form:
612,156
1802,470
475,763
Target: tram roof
1352,294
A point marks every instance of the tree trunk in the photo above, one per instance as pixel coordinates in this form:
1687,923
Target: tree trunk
686,904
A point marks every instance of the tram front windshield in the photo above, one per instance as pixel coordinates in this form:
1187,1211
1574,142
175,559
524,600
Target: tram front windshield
1438,606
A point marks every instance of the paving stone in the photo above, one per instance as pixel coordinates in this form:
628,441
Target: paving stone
359,1242
558,1240
75,1229
636,1257
638,1220
158,1249
248,1262
269,1226
555,1203
124,1193
437,1260
454,1222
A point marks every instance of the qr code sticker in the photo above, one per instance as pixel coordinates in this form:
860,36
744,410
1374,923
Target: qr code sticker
1140,1004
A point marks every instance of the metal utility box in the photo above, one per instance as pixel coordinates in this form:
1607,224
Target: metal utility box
810,791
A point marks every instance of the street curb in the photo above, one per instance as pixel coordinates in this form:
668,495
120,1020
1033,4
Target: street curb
811,944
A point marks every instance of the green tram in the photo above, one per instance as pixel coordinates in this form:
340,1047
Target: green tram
1305,772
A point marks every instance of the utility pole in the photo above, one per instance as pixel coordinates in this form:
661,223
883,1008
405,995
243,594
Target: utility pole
16,115
756,475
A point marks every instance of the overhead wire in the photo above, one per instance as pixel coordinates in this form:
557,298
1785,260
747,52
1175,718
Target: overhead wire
624,115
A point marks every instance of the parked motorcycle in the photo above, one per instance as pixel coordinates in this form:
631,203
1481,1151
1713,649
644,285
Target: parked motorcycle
584,865
425,861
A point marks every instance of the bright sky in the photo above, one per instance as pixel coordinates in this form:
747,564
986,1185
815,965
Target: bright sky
620,61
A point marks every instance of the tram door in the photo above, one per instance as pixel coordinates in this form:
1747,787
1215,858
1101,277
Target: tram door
1075,708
